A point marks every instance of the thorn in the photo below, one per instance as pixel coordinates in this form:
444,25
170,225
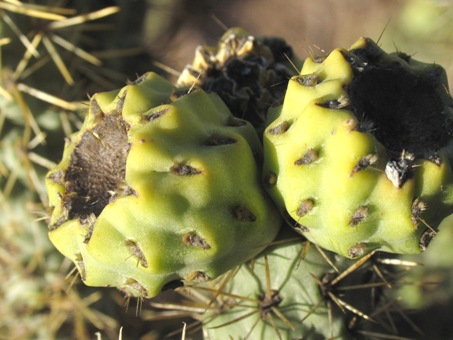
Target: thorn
292,64
383,30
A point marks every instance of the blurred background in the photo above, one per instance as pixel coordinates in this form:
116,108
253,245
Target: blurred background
43,80
420,27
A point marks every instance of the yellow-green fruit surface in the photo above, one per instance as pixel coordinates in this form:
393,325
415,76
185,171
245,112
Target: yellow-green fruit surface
360,156
158,187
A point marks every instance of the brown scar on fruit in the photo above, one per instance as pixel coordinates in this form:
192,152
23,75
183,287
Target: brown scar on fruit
309,157
216,139
357,250
136,251
243,214
80,265
194,240
418,206
197,276
308,79
182,169
426,238
358,216
135,285
338,103
305,207
280,128
155,115
270,180
364,163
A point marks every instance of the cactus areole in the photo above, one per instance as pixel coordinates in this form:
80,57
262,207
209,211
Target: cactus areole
159,187
361,155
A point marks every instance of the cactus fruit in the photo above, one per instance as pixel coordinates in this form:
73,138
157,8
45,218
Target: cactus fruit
249,73
360,157
159,186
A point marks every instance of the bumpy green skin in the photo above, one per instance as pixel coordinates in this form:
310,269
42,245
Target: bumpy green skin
327,171
249,73
190,205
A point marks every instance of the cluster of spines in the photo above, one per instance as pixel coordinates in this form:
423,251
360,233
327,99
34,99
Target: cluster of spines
345,296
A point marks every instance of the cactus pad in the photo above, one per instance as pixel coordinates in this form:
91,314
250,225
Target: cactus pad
290,291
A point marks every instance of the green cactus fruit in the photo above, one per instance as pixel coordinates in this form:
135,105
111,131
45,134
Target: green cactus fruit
361,155
157,187
249,73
